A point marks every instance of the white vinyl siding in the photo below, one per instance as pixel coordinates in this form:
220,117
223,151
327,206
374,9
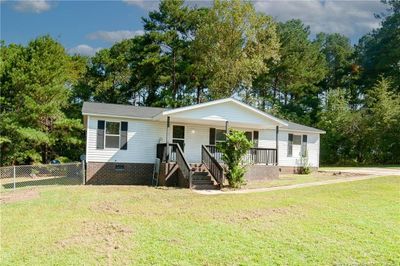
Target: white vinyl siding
294,160
144,135
267,140
219,113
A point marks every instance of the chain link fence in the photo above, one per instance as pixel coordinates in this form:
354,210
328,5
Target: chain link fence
12,177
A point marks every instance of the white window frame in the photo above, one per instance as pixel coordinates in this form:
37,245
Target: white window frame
301,143
218,141
105,135
184,134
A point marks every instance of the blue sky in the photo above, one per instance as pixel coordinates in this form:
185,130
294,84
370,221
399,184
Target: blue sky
86,26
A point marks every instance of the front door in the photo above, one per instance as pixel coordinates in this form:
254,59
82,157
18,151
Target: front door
178,136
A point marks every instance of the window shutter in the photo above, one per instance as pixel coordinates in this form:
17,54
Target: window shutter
290,146
100,134
304,146
212,136
255,139
124,136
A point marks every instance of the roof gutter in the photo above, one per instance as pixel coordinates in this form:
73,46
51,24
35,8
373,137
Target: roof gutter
303,131
118,116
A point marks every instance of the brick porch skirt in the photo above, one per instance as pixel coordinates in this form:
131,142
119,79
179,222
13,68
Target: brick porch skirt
140,173
119,173
261,172
283,170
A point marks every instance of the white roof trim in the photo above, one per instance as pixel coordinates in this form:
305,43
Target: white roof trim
201,105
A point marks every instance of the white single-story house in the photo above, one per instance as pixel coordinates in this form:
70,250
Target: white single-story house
124,141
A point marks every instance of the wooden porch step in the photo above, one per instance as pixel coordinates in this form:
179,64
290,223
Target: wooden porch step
200,174
205,187
201,178
203,182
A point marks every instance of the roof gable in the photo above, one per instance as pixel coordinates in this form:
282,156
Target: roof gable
227,109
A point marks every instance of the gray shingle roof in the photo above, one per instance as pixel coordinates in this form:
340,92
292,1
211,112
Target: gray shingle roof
120,110
299,127
131,111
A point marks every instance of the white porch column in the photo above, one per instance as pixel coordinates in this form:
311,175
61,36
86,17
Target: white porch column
226,128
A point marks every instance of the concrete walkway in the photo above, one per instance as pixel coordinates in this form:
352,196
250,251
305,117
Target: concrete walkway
369,173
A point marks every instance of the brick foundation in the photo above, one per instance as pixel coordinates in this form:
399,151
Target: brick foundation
284,170
262,172
119,173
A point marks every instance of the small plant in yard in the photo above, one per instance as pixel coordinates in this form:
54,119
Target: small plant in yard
305,165
233,150
34,173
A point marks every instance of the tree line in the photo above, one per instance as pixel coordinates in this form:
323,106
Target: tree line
190,55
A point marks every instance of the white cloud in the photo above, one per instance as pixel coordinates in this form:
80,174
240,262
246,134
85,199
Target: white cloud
150,5
35,6
84,49
144,4
351,18
114,36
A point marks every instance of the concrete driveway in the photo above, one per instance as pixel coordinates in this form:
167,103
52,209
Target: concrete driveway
367,171
361,173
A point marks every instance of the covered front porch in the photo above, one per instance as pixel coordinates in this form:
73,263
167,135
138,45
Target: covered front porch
192,135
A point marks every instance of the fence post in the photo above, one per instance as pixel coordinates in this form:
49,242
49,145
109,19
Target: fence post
14,178
83,173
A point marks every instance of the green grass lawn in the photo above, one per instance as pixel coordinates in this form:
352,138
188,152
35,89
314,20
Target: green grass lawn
348,223
293,179
334,167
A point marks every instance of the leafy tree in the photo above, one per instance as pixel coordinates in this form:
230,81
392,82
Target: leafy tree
383,117
235,43
343,71
292,81
233,150
36,84
338,54
171,28
379,51
335,116
109,73
145,66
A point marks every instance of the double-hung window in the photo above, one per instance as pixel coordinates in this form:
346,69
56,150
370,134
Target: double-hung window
112,135
298,140
219,135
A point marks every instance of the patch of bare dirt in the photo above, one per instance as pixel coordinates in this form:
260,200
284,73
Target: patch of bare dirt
101,237
338,174
19,195
110,207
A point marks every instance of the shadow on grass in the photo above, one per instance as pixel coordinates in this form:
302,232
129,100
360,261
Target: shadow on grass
44,182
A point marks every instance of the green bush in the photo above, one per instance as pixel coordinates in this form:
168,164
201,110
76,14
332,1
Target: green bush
233,150
305,165
63,159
